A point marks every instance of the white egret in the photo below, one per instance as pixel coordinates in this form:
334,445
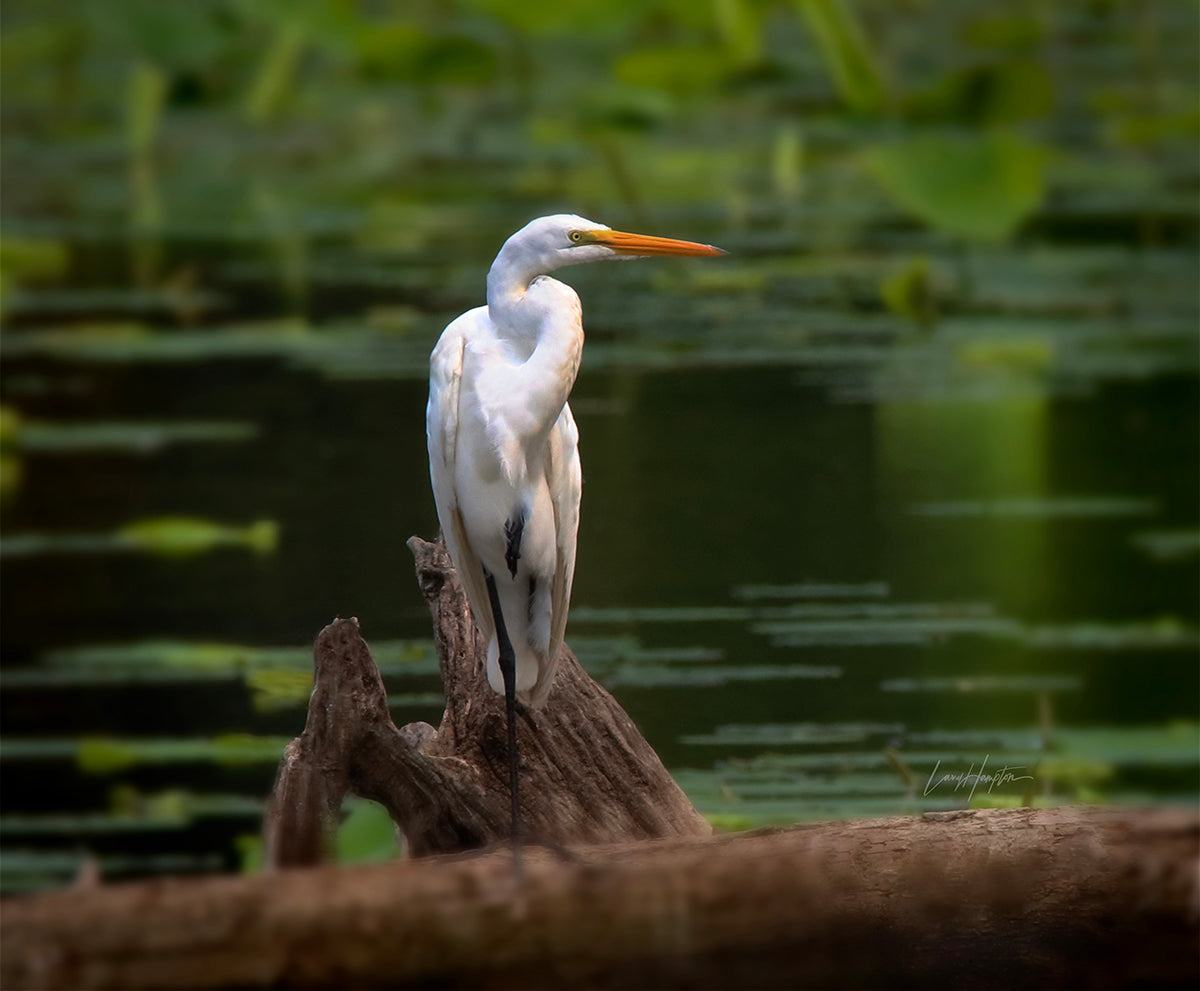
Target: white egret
503,448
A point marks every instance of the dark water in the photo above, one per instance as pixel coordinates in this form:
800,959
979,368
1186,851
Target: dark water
765,575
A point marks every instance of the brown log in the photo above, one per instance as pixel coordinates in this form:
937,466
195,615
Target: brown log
1069,897
587,774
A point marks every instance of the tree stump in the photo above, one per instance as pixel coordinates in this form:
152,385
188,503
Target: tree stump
587,774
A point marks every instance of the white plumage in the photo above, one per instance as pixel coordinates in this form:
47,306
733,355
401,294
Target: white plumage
503,445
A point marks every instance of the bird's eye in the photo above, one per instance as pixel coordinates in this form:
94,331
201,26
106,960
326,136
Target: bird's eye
575,236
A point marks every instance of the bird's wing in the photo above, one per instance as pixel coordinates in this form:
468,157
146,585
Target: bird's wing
565,479
441,432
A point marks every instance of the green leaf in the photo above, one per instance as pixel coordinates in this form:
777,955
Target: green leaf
367,835
1000,93
183,536
848,56
276,71
279,688
676,68
739,24
400,50
22,258
908,292
980,187
145,97
105,756
10,426
100,755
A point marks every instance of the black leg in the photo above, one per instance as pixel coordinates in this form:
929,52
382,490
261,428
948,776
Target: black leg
508,670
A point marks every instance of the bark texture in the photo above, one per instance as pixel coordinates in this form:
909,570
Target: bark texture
1070,897
587,774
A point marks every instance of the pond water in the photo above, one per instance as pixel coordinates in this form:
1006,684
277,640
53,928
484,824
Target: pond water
876,519
806,598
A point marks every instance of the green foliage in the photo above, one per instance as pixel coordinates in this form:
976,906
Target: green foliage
276,72
680,69
739,25
908,292
366,835
853,65
977,186
10,427
787,161
32,258
250,852
403,51
145,98
985,95
279,688
1019,353
184,536
101,755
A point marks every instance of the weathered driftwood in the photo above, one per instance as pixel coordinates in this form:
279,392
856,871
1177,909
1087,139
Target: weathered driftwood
587,774
1071,897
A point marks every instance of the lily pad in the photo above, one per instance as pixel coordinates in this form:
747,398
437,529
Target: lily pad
977,186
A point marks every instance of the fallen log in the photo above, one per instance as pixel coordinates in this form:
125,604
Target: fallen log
587,774
1069,897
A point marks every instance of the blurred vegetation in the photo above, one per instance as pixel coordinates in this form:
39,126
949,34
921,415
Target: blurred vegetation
286,122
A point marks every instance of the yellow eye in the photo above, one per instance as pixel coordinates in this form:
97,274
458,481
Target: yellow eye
575,236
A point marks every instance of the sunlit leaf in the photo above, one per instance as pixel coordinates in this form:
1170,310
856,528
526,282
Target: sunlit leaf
10,426
11,472
250,849
739,23
908,292
145,98
848,57
183,536
144,659
32,258
978,186
677,69
982,95
787,161
367,835
105,756
101,755
279,688
402,50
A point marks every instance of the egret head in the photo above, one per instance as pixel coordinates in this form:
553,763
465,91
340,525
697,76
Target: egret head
552,242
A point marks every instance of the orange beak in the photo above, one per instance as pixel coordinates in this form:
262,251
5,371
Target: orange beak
646,244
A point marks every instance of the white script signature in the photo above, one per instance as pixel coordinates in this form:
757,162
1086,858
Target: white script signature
973,778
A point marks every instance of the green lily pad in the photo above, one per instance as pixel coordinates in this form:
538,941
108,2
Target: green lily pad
977,186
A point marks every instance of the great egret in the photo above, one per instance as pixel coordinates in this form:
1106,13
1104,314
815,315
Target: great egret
503,448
